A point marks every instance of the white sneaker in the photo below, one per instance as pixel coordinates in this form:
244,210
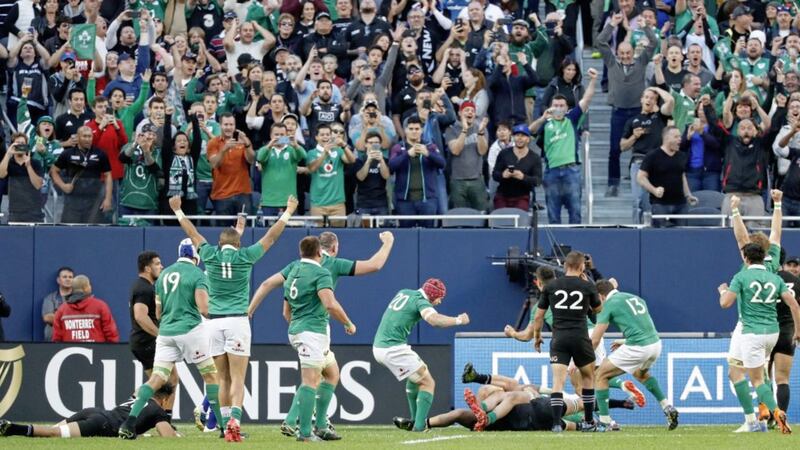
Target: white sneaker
744,428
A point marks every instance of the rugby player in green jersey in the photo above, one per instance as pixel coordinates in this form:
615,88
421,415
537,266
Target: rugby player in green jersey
308,295
338,267
390,346
181,302
635,354
755,290
228,267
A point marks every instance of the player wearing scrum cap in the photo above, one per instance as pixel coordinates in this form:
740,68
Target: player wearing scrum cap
181,300
229,266
390,347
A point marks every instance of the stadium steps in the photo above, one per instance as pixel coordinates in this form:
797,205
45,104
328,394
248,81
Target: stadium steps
611,211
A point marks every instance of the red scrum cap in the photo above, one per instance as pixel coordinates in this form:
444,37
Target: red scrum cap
434,289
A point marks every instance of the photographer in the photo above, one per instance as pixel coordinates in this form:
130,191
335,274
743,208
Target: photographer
372,171
371,119
25,178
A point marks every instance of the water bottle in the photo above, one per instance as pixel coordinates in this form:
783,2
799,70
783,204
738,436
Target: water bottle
647,218
260,218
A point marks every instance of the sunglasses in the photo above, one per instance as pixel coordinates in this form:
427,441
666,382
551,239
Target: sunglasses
337,131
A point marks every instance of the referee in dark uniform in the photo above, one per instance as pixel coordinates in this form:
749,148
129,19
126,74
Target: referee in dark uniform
144,322
571,298
783,352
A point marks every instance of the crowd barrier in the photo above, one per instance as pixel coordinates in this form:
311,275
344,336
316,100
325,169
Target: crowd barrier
676,270
48,382
692,372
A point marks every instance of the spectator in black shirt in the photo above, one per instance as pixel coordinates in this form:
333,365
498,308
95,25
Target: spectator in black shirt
63,25
663,175
787,145
25,179
404,103
517,171
89,187
68,123
142,304
205,14
322,38
372,171
360,33
642,134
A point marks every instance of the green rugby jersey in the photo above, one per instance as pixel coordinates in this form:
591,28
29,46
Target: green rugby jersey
629,313
175,289
757,292
338,267
228,270
400,317
303,282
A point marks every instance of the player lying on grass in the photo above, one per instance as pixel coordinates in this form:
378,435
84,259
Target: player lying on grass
97,422
496,410
635,354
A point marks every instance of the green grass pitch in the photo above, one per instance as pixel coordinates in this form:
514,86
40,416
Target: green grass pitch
385,437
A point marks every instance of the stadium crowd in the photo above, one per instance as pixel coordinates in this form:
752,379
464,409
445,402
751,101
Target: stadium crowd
377,107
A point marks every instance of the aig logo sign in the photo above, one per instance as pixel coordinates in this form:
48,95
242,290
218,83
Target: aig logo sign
698,383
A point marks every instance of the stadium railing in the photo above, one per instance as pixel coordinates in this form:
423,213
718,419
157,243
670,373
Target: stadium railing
614,335
724,220
371,221
587,177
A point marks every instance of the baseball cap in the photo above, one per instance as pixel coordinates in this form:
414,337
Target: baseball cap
412,68
740,11
369,103
148,128
466,104
45,119
68,56
290,116
792,260
323,15
784,9
521,129
520,22
189,55
230,15
124,56
186,249
759,36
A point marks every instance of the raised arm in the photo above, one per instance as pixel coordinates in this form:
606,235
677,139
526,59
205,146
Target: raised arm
441,321
267,286
587,96
739,229
377,261
275,231
776,228
186,224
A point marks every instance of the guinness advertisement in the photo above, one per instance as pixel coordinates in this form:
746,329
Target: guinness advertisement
48,382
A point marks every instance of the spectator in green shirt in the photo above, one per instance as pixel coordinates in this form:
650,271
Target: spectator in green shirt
278,161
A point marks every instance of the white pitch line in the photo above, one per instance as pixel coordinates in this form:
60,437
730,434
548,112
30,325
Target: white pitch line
441,438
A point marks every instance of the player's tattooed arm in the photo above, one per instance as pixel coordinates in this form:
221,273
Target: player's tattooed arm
777,217
186,224
377,261
277,228
267,286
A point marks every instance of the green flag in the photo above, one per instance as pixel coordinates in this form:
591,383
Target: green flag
82,41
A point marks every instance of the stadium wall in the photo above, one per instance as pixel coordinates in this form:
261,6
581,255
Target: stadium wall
677,271
692,373
47,382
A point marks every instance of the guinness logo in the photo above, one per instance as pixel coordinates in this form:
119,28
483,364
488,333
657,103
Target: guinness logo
10,363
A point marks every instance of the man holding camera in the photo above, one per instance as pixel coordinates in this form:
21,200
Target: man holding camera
559,140
139,187
230,156
468,145
371,119
372,171
25,178
278,161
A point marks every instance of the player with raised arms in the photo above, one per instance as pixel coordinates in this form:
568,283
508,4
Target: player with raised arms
228,267
634,354
571,298
97,422
772,248
181,302
338,267
755,291
310,303
390,346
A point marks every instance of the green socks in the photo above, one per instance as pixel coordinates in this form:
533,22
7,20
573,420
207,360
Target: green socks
492,417
652,385
424,402
144,394
324,396
291,416
766,397
615,383
236,413
602,401
305,399
412,390
212,393
743,394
